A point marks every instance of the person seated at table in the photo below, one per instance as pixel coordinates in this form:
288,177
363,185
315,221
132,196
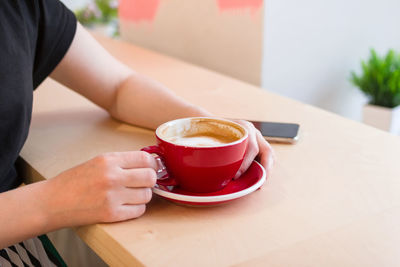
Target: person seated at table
42,38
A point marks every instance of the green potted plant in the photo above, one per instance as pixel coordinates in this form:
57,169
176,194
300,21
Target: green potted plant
380,82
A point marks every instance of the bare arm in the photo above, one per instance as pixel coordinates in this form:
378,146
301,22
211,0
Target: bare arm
23,214
129,96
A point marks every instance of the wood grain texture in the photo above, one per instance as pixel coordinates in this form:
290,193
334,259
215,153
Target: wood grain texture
332,200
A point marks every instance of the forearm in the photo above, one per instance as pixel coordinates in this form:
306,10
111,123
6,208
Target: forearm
147,103
92,72
24,214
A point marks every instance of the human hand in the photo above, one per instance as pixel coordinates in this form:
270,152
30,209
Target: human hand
258,148
108,188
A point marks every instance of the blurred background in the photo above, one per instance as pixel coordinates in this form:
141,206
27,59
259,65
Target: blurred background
304,50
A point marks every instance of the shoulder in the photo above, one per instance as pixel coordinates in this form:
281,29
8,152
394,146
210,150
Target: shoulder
56,30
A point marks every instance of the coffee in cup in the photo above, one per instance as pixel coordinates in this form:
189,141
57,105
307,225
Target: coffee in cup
200,154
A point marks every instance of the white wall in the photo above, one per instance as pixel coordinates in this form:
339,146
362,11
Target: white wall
310,47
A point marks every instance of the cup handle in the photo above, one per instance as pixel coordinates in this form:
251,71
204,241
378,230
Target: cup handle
163,177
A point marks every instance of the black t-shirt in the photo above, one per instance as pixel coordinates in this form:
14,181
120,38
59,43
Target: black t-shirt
34,37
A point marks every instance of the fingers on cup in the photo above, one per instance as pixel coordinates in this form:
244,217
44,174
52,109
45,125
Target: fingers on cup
137,196
125,212
251,152
143,177
103,161
267,154
136,159
127,204
147,160
132,211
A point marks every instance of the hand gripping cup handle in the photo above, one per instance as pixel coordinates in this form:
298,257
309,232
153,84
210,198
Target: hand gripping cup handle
163,177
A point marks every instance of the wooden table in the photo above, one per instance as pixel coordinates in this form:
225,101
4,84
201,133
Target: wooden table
332,200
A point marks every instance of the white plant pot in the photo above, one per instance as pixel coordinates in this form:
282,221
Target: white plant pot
387,119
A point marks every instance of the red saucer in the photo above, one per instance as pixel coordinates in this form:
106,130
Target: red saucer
250,181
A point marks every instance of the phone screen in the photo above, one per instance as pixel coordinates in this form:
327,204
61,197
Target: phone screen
277,131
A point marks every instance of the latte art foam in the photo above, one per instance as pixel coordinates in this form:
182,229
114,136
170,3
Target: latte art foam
202,140
201,132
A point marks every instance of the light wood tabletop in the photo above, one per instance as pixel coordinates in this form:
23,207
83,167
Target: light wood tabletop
333,199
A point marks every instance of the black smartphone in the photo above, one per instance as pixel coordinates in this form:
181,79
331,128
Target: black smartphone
278,132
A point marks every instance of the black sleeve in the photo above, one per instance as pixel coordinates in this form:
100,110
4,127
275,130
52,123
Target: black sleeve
56,30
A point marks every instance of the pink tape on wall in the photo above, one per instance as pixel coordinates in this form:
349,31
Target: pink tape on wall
146,10
138,10
253,5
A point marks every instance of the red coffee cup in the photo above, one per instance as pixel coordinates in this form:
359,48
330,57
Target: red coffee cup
200,154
